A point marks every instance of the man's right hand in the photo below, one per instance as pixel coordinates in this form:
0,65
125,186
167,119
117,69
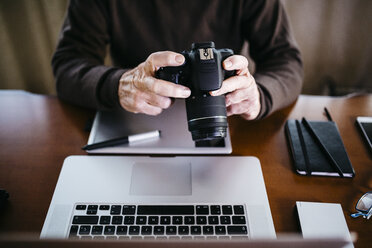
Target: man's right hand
140,92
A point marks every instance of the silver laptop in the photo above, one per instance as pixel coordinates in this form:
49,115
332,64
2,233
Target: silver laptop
172,122
162,198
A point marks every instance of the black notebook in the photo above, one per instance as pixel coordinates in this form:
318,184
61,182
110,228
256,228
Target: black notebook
309,157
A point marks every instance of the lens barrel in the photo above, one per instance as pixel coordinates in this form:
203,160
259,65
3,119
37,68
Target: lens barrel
206,117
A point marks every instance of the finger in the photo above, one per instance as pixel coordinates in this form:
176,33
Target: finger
239,108
148,109
233,83
138,104
158,101
166,58
251,93
238,96
163,88
235,62
250,115
247,109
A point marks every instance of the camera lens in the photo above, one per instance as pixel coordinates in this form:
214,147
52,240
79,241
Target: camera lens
206,117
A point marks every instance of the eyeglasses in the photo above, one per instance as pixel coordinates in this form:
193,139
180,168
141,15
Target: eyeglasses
364,206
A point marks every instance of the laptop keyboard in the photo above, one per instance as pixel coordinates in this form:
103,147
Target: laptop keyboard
137,222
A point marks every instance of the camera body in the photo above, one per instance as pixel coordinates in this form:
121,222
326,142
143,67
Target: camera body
202,72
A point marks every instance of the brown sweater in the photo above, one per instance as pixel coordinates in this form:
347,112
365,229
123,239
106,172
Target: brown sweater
136,28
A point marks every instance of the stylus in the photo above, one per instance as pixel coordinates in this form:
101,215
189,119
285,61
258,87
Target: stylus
123,140
328,114
322,146
304,149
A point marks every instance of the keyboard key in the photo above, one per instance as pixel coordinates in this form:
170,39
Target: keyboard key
134,230
159,230
86,237
215,210
129,220
220,230
84,230
146,230
73,230
161,238
213,220
202,209
239,237
224,238
238,209
149,238
165,210
212,237
104,207
92,209
109,230
121,230
171,230
104,220
227,209
201,220
165,220
177,220
129,209
225,220
189,220
141,220
97,230
195,230
81,207
124,237
186,238
174,238
237,230
208,230
153,220
183,230
115,209
117,220
83,219
238,219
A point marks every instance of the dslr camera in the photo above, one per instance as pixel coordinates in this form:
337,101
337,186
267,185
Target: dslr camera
202,72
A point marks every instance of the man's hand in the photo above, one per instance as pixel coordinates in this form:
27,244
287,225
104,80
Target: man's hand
140,92
242,95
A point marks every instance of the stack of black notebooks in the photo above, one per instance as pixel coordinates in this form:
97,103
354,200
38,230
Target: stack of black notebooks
317,148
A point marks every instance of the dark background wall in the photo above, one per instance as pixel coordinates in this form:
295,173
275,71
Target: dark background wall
334,36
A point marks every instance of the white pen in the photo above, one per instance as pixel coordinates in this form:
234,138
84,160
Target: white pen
123,140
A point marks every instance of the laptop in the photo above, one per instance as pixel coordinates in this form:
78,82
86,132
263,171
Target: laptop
159,198
172,122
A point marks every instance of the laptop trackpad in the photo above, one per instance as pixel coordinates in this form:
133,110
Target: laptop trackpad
161,179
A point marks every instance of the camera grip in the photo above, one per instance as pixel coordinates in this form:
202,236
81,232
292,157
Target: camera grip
228,74
170,73
225,53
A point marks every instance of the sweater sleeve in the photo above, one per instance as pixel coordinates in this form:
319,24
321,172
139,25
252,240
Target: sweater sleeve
279,71
81,77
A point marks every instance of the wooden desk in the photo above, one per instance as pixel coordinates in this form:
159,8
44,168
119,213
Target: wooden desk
37,132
